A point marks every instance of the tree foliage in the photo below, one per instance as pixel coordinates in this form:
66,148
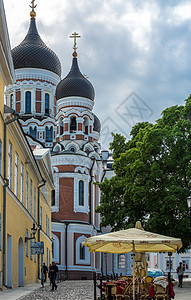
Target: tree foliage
152,177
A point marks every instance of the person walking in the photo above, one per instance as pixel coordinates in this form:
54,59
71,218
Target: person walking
180,272
44,270
53,273
49,274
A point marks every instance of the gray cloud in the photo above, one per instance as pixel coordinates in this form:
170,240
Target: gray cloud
126,46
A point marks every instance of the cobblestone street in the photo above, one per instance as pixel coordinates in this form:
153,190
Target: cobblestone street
67,290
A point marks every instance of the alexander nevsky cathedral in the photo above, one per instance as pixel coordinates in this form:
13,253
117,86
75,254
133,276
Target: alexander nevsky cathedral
58,114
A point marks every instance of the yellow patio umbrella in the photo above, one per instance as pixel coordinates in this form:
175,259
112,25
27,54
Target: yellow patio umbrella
141,264
132,239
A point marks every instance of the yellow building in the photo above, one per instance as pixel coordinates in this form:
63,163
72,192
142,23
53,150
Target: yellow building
26,184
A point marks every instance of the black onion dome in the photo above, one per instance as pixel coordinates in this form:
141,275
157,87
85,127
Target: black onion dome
97,124
33,53
75,84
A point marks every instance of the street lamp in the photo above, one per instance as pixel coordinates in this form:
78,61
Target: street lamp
33,231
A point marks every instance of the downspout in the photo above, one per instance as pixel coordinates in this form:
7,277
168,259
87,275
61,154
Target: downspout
39,226
66,250
90,188
4,198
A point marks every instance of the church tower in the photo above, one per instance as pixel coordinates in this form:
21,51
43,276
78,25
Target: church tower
58,114
38,72
77,165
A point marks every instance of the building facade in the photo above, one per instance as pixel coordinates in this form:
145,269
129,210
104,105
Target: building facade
58,115
26,185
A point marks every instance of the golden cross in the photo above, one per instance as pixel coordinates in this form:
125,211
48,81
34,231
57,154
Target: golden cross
75,36
33,6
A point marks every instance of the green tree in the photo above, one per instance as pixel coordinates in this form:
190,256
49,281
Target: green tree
152,177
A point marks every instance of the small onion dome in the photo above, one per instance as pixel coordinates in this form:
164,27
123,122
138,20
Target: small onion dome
75,85
33,53
97,124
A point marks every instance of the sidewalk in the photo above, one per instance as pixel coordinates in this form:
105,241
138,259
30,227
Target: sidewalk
16,293
182,294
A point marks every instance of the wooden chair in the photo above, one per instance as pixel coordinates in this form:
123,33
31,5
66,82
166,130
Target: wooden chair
160,292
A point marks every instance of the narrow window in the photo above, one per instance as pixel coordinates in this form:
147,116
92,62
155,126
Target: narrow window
73,124
22,183
16,174
82,252
31,196
53,198
27,243
10,162
35,204
49,134
81,193
41,216
47,104
33,132
121,261
27,190
1,156
0,233
11,101
30,247
28,102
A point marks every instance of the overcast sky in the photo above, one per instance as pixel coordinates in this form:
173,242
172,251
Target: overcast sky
136,53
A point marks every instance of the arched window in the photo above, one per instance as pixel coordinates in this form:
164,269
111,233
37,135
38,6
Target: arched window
11,101
82,252
81,193
28,102
49,134
33,132
73,124
47,104
85,126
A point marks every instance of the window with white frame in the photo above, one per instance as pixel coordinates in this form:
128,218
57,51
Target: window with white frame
16,174
27,190
185,263
82,253
35,204
55,248
121,261
1,156
11,101
31,196
28,102
22,183
169,264
10,164
81,193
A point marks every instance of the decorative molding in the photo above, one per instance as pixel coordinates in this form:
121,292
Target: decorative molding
41,74
75,102
71,159
79,261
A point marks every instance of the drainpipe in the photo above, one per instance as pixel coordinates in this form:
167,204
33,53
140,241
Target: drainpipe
90,187
39,226
66,250
4,198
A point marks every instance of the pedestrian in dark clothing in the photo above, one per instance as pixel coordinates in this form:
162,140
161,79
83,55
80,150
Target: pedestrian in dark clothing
53,272
180,271
44,270
49,273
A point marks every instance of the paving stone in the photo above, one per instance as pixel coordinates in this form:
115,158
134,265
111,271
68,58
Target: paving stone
67,290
